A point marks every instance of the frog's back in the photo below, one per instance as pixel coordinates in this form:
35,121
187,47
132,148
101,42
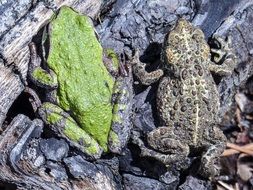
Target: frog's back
85,86
187,98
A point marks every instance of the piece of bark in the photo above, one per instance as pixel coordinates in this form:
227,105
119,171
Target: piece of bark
132,182
22,160
210,14
238,26
139,24
10,87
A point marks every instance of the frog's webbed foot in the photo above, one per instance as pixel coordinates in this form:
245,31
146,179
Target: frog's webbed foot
39,76
140,72
66,127
224,55
215,145
165,146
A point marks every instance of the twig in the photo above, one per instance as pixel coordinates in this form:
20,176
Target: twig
234,149
226,186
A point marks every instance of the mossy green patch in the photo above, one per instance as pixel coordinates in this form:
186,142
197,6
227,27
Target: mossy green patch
78,135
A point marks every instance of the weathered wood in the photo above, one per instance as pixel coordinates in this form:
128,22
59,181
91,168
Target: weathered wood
10,87
23,163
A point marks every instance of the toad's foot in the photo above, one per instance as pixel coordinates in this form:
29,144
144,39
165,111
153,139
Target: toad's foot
215,145
140,72
210,161
225,55
162,139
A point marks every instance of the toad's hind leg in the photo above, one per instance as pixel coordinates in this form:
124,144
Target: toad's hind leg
165,146
215,143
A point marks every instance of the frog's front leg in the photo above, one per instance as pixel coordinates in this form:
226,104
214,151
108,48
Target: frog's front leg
215,144
39,76
64,125
166,147
225,55
140,72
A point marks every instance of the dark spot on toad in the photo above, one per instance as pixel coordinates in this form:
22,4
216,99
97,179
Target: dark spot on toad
188,100
176,105
184,74
183,108
194,93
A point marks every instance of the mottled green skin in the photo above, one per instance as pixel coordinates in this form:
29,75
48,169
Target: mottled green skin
84,84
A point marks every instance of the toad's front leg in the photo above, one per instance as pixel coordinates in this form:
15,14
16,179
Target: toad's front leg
224,55
140,72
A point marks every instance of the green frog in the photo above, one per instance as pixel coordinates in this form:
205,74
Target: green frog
85,103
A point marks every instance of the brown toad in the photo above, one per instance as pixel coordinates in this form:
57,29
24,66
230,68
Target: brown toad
187,98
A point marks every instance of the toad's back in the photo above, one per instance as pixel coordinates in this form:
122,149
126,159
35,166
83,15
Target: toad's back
187,98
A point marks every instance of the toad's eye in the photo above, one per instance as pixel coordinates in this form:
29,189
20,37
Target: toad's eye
196,37
173,39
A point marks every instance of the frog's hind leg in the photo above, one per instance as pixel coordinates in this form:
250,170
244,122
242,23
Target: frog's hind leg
215,142
162,139
225,55
140,72
122,105
41,77
66,127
